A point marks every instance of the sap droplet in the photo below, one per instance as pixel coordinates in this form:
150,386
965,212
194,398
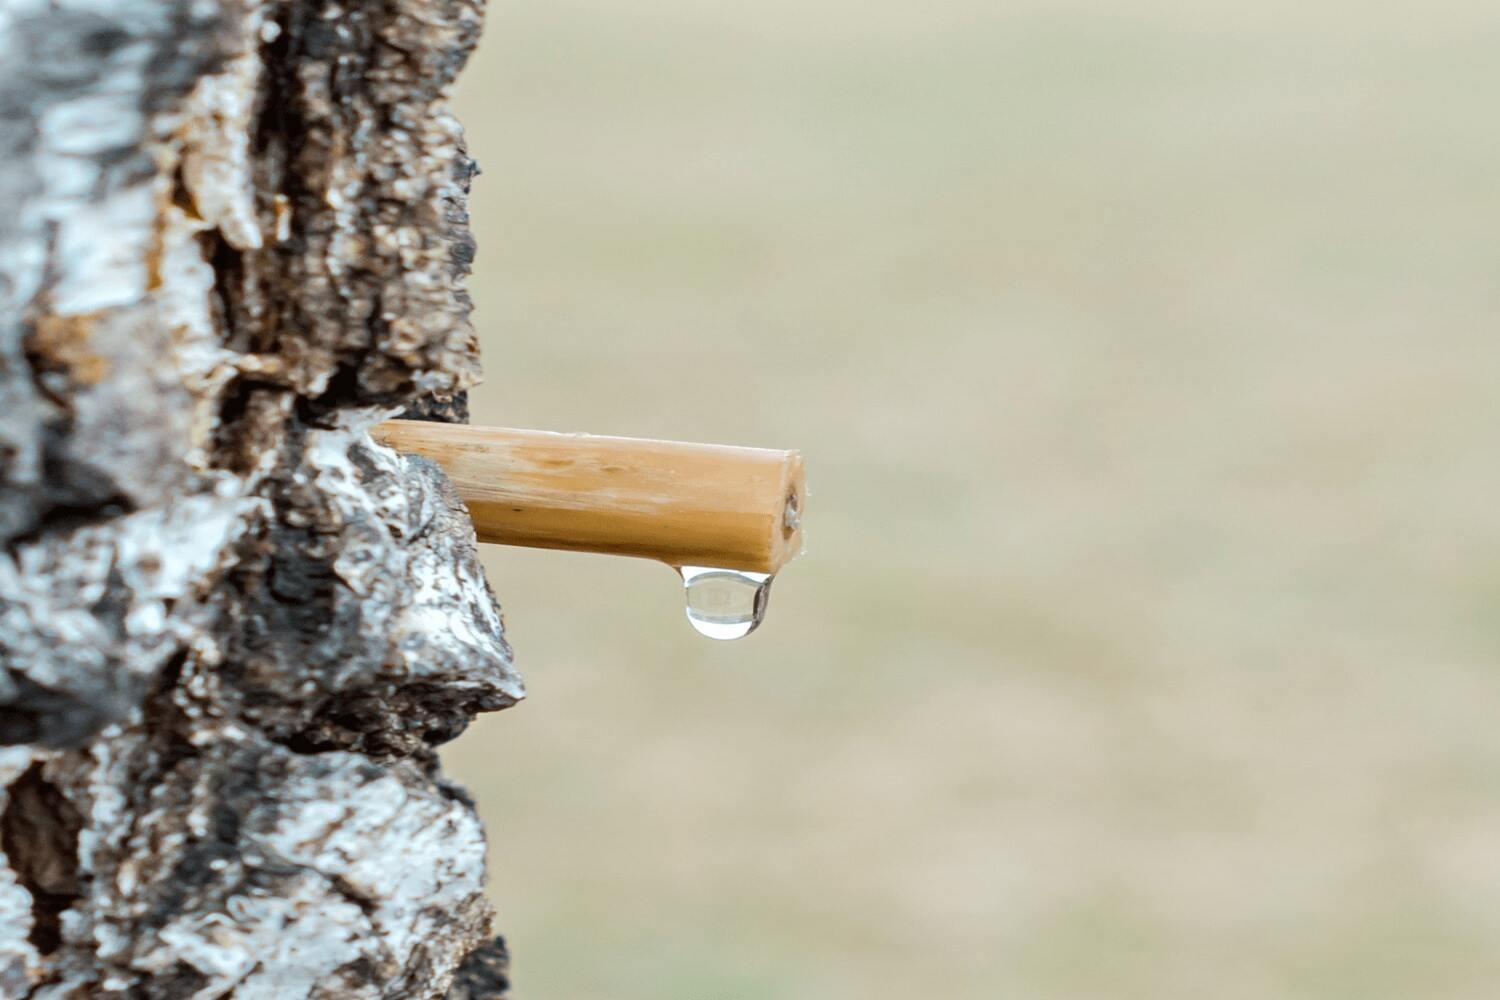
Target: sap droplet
725,603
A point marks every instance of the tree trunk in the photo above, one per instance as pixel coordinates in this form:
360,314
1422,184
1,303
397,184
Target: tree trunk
232,629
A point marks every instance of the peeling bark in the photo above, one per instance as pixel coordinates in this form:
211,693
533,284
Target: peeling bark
233,628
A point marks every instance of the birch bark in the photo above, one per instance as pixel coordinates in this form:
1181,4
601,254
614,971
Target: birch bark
233,629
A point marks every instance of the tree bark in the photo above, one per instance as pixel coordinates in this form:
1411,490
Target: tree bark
232,628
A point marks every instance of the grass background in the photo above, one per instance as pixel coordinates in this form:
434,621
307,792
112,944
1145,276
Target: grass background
1144,356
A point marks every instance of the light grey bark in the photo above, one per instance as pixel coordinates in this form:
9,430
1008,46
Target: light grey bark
232,629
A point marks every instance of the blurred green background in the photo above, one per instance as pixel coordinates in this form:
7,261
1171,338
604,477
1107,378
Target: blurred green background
1144,355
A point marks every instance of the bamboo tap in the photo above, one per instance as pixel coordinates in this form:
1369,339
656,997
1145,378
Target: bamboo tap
683,504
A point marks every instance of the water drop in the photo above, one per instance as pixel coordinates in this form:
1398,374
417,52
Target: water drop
725,603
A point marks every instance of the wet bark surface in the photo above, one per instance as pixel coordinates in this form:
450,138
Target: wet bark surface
232,628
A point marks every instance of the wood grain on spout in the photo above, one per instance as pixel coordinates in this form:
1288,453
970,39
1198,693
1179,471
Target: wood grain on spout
684,504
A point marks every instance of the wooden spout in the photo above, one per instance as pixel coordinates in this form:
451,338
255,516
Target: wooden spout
684,504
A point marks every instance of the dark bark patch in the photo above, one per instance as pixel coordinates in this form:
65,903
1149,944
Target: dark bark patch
485,974
39,833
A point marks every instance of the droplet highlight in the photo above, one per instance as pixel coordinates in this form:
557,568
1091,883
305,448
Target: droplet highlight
725,603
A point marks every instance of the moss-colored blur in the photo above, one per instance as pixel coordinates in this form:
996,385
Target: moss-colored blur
1144,353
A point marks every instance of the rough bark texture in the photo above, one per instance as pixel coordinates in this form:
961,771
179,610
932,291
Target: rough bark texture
232,629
